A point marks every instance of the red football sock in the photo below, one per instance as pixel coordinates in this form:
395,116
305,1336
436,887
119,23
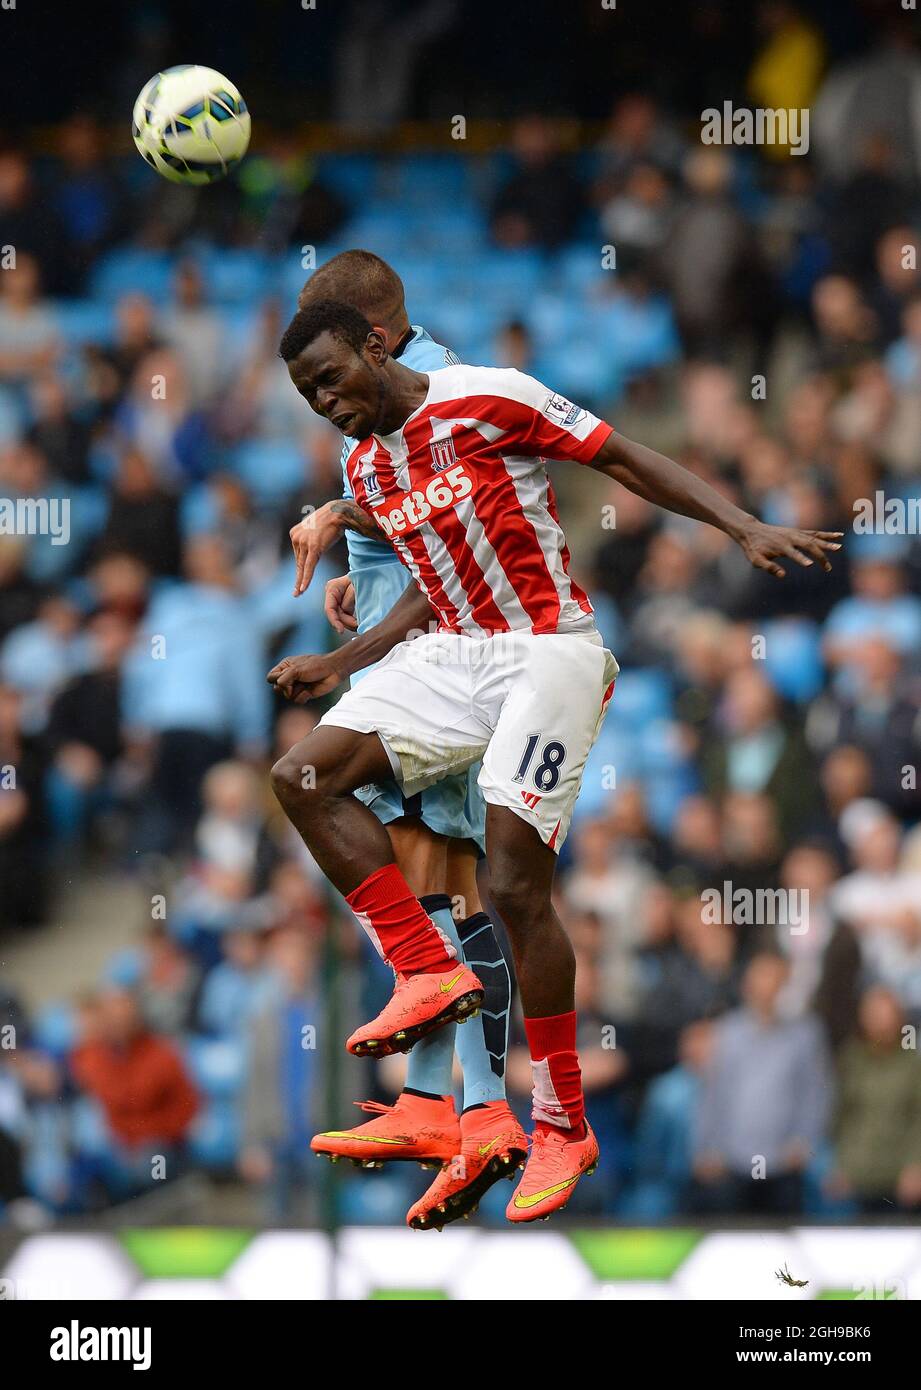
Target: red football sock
400,929
557,1094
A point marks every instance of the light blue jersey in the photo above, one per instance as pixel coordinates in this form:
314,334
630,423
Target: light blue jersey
454,806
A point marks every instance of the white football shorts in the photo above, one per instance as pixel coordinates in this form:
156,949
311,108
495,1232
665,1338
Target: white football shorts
530,705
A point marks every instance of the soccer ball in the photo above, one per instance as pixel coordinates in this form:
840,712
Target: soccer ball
191,124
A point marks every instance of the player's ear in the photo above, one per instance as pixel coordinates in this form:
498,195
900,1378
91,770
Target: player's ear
376,344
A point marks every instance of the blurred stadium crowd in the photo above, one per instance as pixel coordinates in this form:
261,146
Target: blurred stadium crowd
755,314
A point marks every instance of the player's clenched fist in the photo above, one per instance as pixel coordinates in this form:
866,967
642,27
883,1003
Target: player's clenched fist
339,604
303,678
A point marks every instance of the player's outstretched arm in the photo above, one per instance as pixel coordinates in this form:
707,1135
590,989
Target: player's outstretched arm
313,536
665,483
303,678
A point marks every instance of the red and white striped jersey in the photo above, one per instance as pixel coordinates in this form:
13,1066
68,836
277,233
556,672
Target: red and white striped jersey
461,492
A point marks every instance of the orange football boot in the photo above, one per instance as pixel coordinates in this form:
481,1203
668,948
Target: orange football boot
419,1004
554,1166
419,1128
493,1146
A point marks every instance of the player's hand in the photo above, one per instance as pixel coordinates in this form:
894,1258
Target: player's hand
303,678
763,544
310,538
339,605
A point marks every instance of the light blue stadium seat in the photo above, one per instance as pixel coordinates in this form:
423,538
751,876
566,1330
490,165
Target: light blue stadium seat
461,324
131,271
637,334
613,762
124,968
217,1065
214,1137
269,469
554,318
382,230
578,269
578,369
664,795
240,324
237,276
13,415
198,512
381,1203
352,176
46,1158
84,321
793,658
54,1028
509,280
425,283
427,181
642,694
88,1129
451,232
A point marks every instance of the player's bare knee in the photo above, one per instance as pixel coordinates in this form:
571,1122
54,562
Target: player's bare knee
513,892
312,772
290,783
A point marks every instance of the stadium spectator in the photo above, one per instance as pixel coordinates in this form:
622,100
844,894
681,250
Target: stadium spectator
822,949
29,225
194,688
637,134
711,264
281,1094
237,988
163,977
143,516
89,199
663,1155
192,328
764,1102
84,734
56,431
232,832
24,836
877,1121
29,339
751,750
789,64
880,717
880,898
688,970
140,1083
110,369
541,202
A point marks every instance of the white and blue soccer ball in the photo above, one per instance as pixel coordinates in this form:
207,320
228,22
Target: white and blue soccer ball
191,124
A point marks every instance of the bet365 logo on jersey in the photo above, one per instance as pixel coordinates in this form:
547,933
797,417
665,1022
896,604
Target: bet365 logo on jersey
399,514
